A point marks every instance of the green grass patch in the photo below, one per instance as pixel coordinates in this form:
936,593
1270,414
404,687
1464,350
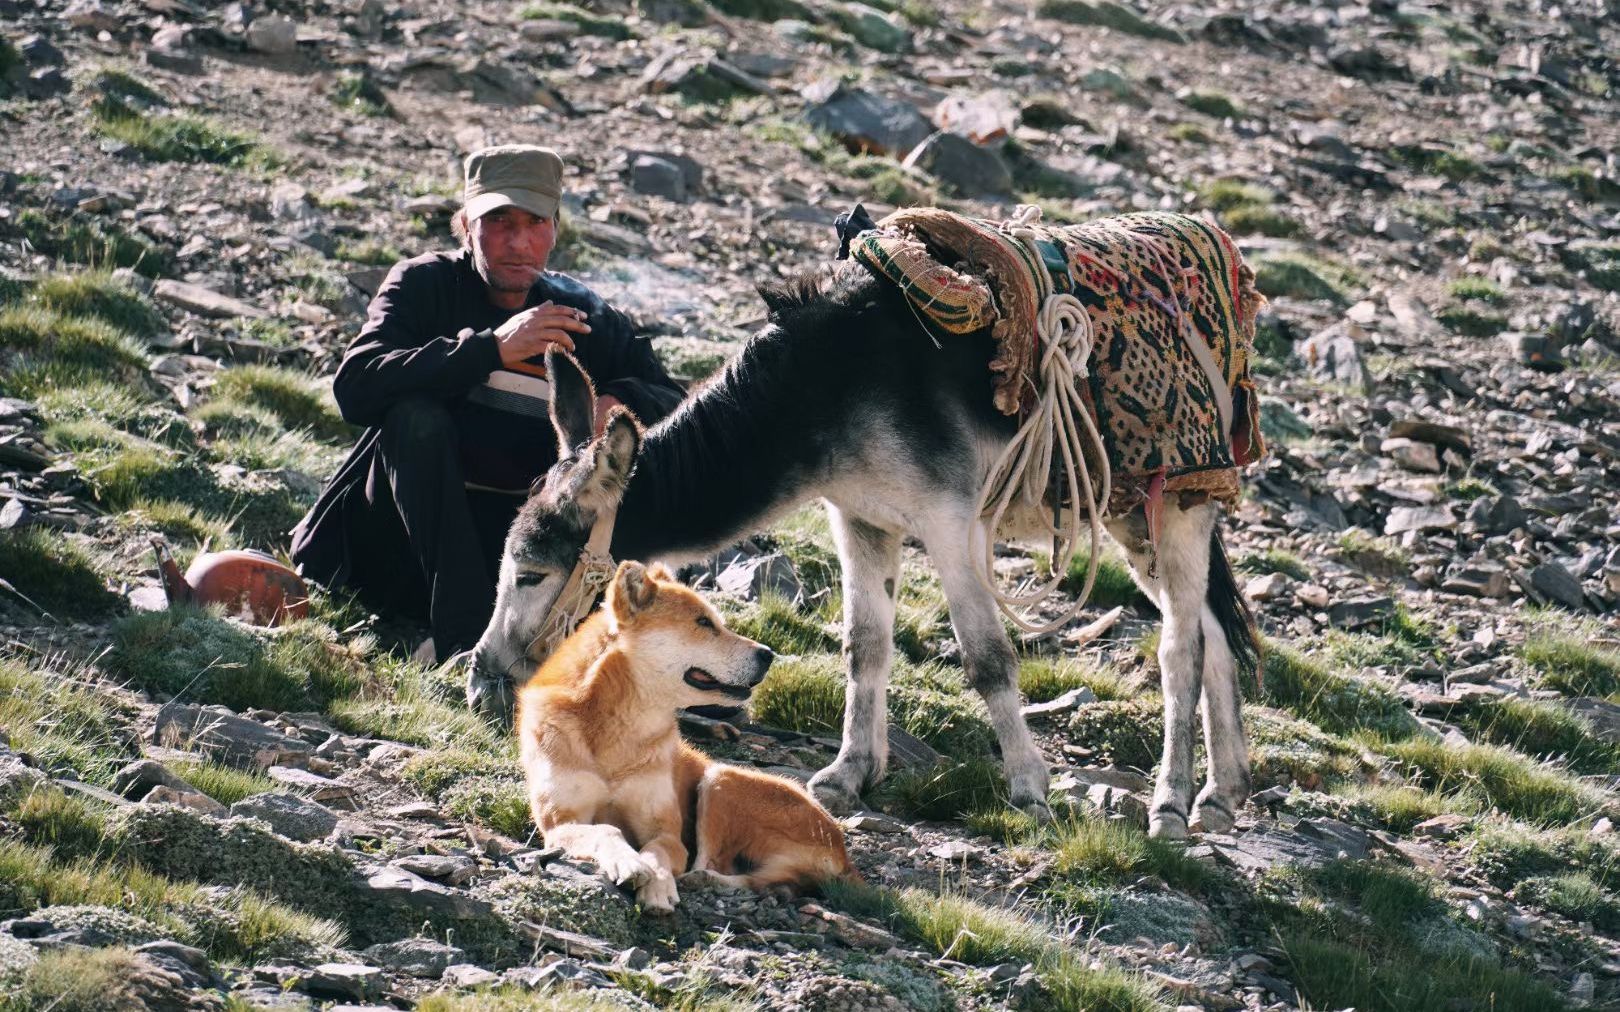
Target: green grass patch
804,694
956,927
1575,896
1471,321
1105,14
781,625
71,828
419,706
1213,103
1469,489
55,574
80,239
41,349
1300,276
1274,560
179,521
162,137
516,998
1544,730
359,92
1094,850
497,803
1398,807
1334,702
1267,221
1230,194
1507,780
949,791
1453,165
1572,664
1114,584
435,772
1126,732
373,252
588,23
192,655
100,295
63,723
1379,556
1481,289
1045,678
223,784
1509,854
289,396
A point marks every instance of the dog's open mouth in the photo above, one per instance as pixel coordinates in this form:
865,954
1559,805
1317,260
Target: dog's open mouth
697,678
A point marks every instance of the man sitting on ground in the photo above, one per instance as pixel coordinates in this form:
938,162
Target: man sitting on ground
447,376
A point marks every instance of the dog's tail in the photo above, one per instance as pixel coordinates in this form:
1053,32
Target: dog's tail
1236,619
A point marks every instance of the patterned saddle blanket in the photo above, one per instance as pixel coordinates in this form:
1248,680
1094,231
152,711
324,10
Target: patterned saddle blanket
1152,284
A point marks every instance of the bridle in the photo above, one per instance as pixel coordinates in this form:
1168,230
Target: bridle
590,577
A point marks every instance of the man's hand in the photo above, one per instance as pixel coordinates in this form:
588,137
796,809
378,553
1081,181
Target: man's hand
605,404
532,331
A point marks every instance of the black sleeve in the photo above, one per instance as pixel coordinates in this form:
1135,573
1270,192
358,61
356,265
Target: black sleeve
398,355
635,376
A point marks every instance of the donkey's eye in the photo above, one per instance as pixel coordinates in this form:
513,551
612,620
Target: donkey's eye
529,579
704,622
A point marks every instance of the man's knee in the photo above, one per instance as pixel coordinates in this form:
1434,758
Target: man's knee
416,424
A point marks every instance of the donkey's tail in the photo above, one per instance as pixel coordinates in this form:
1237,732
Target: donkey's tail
1231,610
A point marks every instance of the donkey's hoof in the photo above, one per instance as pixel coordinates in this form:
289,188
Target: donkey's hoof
1036,809
1212,816
1167,826
833,794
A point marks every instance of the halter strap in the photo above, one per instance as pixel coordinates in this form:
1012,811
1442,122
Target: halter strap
591,576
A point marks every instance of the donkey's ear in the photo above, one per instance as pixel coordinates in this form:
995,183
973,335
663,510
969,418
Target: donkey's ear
780,298
573,402
613,457
633,590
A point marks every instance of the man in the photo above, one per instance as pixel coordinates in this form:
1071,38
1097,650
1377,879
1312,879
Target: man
447,375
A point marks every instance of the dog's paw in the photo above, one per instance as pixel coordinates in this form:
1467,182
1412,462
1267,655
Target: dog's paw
627,868
659,895
705,880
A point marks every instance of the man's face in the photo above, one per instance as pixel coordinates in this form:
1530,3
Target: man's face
510,247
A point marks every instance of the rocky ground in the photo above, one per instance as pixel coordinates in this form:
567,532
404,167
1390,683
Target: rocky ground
196,200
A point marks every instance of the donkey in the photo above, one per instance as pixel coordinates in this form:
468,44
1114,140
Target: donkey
844,396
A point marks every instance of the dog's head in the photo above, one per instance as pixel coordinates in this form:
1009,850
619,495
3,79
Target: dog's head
677,644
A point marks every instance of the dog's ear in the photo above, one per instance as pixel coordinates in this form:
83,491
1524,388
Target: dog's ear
659,571
573,402
633,590
614,457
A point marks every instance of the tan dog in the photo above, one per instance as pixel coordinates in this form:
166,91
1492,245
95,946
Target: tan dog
610,779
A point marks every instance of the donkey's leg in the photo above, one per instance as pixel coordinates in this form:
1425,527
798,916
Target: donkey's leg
1182,574
1224,642
870,559
991,665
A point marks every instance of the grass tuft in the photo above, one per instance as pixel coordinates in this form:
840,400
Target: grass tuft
1275,560
1482,289
41,350
223,784
288,396
100,295
949,791
1336,703
1299,276
1572,664
1544,730
1114,584
55,574
803,694
83,240
1519,786
1045,678
1092,850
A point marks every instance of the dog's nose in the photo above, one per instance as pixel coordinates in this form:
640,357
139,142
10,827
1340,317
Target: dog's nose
763,656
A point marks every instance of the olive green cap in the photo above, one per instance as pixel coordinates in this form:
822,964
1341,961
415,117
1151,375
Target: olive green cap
513,175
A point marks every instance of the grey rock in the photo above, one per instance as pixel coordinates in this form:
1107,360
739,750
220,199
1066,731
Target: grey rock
563,972
343,980
965,168
420,957
690,168
223,735
1419,518
275,34
1412,455
1602,715
1499,514
1357,612
1334,356
294,817
875,822
203,301
16,778
1479,579
186,798
872,28
38,51
450,868
1074,698
425,895
657,177
865,121
761,575
1555,583
138,778
468,975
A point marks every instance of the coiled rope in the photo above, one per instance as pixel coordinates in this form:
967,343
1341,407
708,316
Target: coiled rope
1059,429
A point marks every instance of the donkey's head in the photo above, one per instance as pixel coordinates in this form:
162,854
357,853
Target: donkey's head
549,536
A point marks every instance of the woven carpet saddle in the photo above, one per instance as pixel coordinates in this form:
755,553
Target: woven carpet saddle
1172,309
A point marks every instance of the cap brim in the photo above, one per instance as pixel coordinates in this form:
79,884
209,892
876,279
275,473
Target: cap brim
533,201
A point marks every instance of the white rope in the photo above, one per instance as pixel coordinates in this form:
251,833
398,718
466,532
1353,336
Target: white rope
1060,428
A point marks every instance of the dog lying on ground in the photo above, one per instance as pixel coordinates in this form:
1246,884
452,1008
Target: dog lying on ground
609,778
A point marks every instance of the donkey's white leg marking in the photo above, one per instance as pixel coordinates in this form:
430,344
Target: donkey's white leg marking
1182,575
987,656
870,559
1228,747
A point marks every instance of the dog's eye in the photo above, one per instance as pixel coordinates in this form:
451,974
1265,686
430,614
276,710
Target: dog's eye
704,622
529,579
